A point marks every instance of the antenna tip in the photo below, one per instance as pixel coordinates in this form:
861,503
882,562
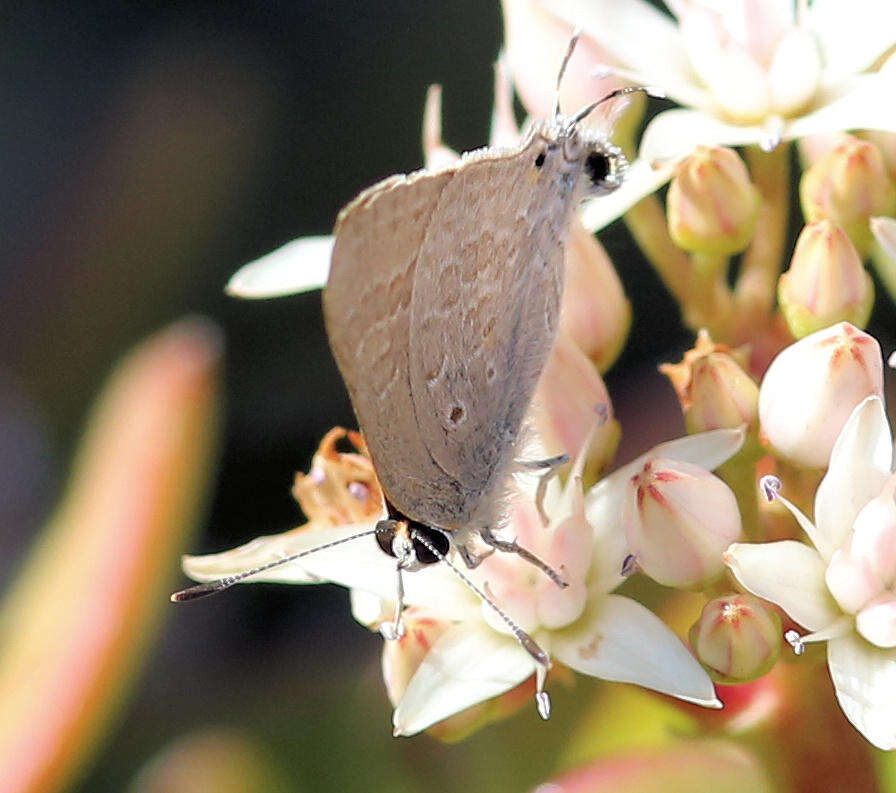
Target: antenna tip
198,591
543,704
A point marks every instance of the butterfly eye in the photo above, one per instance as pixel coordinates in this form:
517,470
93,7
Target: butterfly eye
598,167
539,160
604,168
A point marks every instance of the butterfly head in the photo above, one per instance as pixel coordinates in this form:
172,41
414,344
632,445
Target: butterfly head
572,152
602,164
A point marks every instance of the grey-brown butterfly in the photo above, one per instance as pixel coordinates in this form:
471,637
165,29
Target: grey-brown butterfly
441,307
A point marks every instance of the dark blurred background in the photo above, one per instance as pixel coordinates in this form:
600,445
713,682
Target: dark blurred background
147,151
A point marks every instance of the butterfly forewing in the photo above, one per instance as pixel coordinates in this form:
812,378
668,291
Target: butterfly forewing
484,314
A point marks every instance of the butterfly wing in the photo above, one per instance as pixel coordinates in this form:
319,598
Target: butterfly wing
483,317
367,313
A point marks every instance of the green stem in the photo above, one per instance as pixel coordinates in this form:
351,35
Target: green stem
647,223
761,265
707,302
739,474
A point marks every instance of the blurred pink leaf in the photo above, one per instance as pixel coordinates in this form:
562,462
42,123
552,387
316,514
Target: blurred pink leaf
690,767
78,620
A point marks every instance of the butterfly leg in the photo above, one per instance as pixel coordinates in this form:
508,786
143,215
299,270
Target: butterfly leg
471,558
511,546
404,551
550,466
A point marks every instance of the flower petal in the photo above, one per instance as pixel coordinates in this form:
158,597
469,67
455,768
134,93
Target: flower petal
865,679
857,107
639,36
641,179
852,36
299,266
621,640
465,666
706,449
860,464
789,574
674,134
356,564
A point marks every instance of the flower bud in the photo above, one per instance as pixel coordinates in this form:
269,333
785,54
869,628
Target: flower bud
595,311
712,205
826,282
812,148
811,388
341,486
736,638
402,657
849,185
886,145
569,395
713,389
884,230
678,520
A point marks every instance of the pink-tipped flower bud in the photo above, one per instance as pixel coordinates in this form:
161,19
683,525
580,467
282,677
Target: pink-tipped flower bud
886,145
811,388
712,387
679,519
712,205
570,399
595,311
884,230
826,282
849,185
737,638
402,657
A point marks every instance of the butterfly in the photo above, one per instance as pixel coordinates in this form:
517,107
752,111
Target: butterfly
441,307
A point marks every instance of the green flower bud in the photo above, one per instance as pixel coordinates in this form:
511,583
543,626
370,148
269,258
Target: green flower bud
737,638
849,185
712,205
826,282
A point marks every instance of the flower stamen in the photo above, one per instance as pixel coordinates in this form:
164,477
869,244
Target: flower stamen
835,630
771,488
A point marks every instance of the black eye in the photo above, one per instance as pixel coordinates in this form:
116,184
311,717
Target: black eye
539,160
437,539
598,167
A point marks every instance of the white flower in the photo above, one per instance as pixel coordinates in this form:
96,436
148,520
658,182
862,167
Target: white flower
746,72
843,589
474,658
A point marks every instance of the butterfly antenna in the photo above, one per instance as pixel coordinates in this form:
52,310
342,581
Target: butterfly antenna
569,50
213,587
657,93
542,699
